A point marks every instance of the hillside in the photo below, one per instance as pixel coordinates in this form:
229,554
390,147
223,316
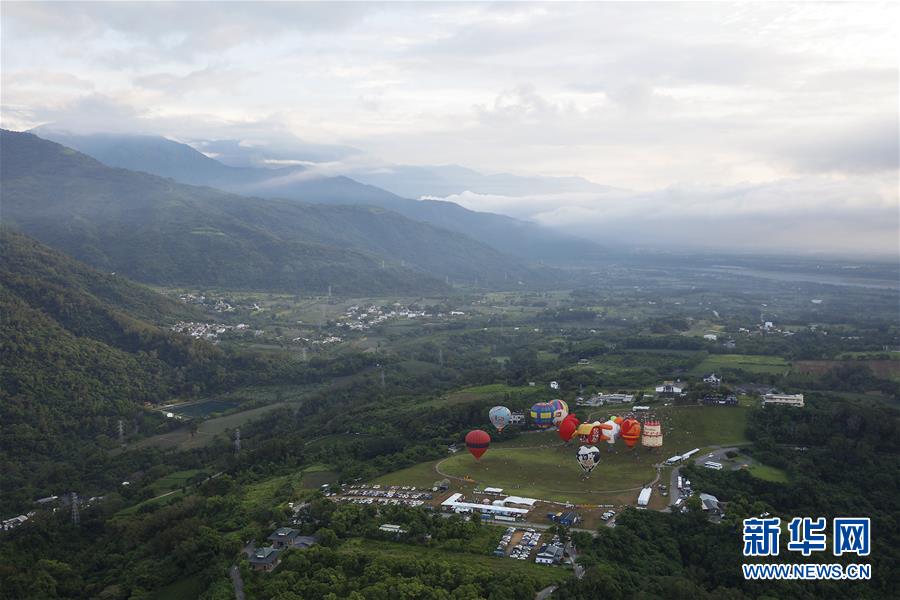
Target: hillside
76,354
167,158
158,231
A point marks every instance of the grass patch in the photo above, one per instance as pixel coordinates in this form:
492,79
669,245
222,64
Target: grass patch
767,473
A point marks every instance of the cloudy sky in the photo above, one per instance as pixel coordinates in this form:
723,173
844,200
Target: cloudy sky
751,124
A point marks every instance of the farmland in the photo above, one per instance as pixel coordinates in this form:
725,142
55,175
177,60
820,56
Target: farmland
742,362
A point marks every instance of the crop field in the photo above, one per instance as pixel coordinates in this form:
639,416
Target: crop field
887,368
539,464
744,362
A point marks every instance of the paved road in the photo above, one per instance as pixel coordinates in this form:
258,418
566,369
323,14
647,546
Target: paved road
545,593
237,582
718,455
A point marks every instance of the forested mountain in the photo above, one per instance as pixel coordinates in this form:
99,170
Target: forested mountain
167,158
76,354
155,230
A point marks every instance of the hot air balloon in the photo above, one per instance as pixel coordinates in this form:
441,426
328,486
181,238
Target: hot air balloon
611,430
588,458
568,427
590,433
542,415
631,432
653,437
477,441
560,411
500,417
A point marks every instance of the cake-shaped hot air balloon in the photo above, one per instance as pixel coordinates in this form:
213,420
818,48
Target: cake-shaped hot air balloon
568,427
477,441
588,457
631,432
652,437
500,417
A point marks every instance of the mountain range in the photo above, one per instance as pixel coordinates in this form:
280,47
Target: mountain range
181,162
156,230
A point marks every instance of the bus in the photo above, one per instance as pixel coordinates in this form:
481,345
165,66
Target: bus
713,465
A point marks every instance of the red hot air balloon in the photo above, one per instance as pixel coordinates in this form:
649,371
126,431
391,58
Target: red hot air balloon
568,427
631,432
477,441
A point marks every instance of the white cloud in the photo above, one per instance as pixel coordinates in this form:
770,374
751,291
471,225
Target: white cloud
642,96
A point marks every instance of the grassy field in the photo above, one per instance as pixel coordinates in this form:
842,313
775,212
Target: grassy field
547,575
540,465
768,473
745,362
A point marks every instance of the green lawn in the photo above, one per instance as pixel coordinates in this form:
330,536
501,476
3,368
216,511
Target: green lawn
768,473
751,363
540,465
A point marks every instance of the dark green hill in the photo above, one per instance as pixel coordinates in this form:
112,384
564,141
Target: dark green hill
76,354
158,231
167,158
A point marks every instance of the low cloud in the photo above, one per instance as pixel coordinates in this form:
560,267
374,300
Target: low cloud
809,214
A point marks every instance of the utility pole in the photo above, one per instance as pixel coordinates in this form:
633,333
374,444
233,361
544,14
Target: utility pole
237,440
441,356
382,377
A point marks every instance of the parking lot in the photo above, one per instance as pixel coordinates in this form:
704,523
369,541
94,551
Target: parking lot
518,544
405,495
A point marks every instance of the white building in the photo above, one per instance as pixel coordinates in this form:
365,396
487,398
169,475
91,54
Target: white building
516,418
644,496
669,388
712,379
795,400
453,504
711,337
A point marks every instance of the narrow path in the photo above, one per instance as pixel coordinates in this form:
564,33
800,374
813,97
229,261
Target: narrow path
169,493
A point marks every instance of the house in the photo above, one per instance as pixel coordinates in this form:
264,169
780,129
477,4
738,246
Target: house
265,559
668,388
710,336
283,537
719,399
795,400
583,361
565,518
551,555
389,528
710,503
712,380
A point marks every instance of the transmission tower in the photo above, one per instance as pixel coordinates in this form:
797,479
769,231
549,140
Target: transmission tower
237,441
121,431
76,517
